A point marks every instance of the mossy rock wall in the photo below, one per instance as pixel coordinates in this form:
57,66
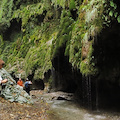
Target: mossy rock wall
33,34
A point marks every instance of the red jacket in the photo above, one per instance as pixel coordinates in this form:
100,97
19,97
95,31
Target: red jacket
20,82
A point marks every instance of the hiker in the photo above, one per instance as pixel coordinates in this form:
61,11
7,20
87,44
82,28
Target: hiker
1,66
20,82
27,85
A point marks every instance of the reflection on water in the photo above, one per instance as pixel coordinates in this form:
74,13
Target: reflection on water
69,110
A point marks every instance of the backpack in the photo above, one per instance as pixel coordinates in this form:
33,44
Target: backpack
27,85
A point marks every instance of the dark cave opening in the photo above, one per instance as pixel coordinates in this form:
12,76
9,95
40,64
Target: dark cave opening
38,84
15,27
107,56
39,18
63,77
74,14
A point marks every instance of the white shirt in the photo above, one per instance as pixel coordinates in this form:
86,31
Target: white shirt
0,79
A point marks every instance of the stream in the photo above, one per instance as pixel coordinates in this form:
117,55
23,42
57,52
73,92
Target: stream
63,109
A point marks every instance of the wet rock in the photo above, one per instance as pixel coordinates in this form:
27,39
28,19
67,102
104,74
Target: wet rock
61,98
33,96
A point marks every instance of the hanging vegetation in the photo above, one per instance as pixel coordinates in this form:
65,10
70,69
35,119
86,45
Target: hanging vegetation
34,32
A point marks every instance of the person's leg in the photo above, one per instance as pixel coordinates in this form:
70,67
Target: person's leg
28,90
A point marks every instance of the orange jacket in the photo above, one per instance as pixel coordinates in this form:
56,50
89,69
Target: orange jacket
20,82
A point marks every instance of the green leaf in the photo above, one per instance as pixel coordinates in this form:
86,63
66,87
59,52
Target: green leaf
115,6
104,1
106,18
111,13
111,3
115,14
118,19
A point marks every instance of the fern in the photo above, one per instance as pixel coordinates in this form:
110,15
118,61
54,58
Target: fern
118,19
10,8
2,8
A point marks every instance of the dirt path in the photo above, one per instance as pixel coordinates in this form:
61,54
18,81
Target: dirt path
16,111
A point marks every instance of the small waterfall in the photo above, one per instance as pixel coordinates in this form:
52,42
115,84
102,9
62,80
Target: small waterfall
97,95
86,90
53,77
89,92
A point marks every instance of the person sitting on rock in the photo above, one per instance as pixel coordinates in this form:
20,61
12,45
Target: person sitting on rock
20,82
27,85
1,66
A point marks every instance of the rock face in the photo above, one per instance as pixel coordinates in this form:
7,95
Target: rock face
77,40
13,92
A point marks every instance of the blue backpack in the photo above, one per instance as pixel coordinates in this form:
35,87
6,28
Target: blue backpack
26,85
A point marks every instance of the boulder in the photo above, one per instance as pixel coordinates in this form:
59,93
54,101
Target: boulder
13,92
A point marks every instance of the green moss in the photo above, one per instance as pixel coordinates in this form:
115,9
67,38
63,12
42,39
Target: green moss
72,4
87,66
1,44
47,27
88,69
59,2
64,35
86,28
40,60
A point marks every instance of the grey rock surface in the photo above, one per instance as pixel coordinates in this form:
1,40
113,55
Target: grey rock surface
13,92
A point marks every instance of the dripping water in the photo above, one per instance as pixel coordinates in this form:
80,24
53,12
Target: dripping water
89,92
97,109
86,90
